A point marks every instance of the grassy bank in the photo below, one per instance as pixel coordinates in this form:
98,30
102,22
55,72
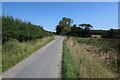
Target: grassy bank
68,70
15,51
107,49
88,59
104,44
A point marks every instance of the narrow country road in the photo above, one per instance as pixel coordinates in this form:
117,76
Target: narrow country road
44,63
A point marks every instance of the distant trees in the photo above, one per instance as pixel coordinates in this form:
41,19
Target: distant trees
112,33
65,28
17,29
86,29
22,31
75,31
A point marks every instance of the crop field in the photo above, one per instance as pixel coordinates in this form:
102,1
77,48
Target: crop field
89,58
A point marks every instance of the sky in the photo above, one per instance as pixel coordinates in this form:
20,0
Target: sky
101,15
60,0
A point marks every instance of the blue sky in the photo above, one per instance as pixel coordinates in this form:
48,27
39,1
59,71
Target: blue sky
60,0
102,15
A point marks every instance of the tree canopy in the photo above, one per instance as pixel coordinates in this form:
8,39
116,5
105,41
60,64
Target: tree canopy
65,27
22,31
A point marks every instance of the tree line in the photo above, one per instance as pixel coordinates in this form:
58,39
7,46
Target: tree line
112,33
13,28
66,27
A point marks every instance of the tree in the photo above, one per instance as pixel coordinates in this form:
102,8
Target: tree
75,31
64,25
86,29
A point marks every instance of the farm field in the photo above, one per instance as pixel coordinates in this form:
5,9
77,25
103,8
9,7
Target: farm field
89,58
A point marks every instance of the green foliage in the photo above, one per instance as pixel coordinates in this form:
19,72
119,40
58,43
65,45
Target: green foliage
95,42
68,70
75,31
15,51
86,30
65,28
22,31
83,30
112,33
20,39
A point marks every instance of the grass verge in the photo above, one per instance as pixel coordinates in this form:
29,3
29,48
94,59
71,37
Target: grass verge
68,70
15,51
84,61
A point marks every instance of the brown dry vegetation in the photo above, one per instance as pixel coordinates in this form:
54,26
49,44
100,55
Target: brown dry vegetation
91,61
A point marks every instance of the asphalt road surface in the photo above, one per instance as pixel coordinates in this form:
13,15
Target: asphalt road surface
44,63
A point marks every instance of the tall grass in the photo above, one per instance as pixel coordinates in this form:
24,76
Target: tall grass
15,51
68,70
95,42
84,64
104,46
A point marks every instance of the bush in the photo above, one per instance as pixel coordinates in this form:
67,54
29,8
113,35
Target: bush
22,31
